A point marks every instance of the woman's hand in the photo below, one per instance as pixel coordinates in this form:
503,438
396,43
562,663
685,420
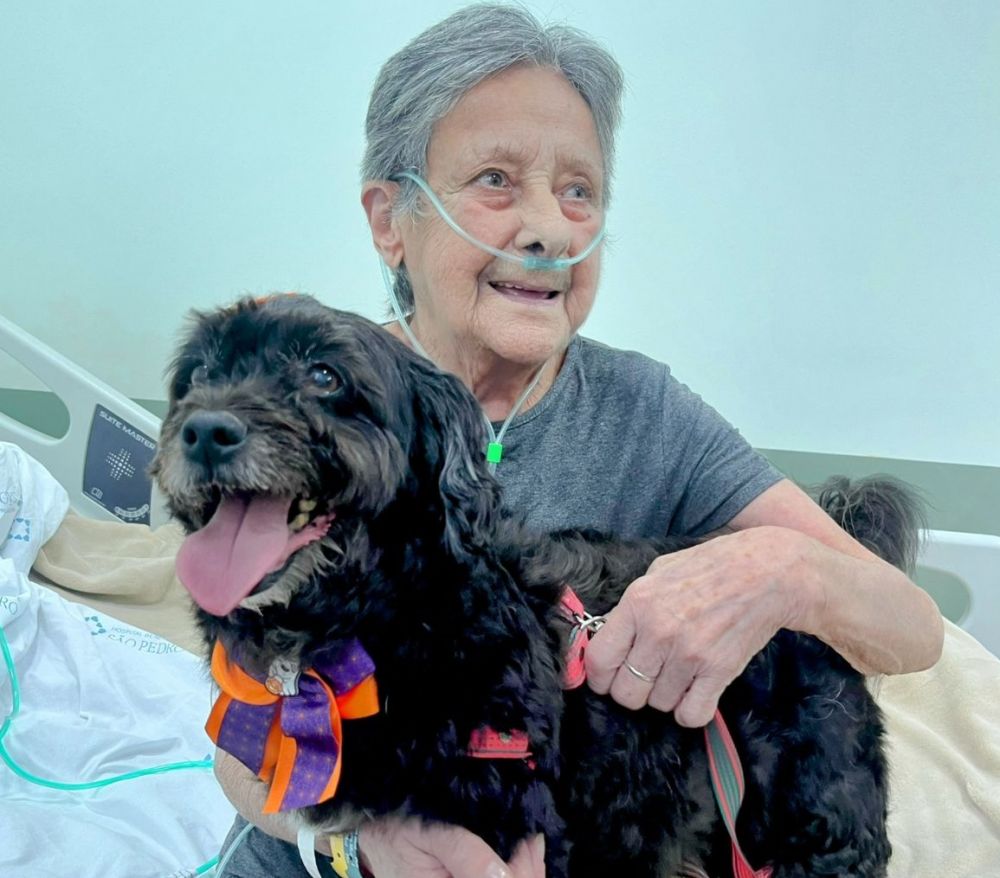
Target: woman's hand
388,847
409,849
696,618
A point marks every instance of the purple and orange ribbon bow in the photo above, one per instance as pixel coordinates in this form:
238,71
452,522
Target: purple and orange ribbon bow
293,742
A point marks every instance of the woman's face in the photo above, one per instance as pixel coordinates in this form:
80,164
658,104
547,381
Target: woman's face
517,163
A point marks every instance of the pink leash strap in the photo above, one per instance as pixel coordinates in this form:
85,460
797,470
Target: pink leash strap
728,786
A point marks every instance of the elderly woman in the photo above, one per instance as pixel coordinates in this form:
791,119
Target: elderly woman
487,176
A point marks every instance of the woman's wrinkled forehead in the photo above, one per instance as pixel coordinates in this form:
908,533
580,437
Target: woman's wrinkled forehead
523,115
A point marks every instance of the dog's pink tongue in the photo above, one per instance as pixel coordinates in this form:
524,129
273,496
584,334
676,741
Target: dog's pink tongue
246,539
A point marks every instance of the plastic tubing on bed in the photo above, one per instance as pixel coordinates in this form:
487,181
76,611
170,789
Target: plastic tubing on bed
15,691
15,700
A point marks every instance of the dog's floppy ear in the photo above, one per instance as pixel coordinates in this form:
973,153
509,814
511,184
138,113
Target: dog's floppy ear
449,453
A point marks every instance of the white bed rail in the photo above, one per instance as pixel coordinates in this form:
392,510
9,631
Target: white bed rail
102,458
974,559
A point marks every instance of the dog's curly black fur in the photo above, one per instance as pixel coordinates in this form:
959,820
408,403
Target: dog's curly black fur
457,603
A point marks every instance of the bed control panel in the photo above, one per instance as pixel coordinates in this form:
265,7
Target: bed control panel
115,472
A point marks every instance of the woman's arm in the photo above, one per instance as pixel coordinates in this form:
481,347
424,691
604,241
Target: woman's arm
698,616
247,793
388,848
868,610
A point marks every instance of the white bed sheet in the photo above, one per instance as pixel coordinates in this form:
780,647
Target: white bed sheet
98,698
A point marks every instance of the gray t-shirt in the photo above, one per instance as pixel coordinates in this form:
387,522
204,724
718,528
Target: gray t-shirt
621,445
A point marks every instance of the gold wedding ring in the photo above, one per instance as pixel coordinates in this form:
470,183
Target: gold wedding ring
644,677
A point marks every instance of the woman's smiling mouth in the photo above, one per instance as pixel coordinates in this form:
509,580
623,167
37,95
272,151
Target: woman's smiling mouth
524,292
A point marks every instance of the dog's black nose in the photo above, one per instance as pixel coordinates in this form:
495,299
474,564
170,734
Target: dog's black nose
212,437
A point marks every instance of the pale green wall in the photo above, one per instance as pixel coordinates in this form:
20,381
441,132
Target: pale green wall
805,224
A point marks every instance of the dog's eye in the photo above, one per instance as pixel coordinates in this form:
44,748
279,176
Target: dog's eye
199,375
323,377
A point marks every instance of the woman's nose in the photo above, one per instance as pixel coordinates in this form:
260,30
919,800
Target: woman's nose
545,230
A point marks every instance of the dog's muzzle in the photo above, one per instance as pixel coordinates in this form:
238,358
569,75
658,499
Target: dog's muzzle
250,534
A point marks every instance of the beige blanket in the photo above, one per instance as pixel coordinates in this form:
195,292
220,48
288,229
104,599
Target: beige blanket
944,751
944,724
123,570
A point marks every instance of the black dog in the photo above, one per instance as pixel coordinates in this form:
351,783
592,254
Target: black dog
335,488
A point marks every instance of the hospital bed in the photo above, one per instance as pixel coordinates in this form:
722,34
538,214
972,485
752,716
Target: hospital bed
944,724
100,636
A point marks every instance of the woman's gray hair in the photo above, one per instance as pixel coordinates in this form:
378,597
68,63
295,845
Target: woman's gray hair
424,80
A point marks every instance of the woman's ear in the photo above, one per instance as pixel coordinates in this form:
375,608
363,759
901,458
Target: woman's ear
377,198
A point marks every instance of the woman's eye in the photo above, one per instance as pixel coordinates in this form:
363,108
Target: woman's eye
578,192
492,179
199,375
323,377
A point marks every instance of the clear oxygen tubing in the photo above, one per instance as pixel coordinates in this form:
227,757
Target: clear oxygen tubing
495,449
15,695
244,832
531,263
